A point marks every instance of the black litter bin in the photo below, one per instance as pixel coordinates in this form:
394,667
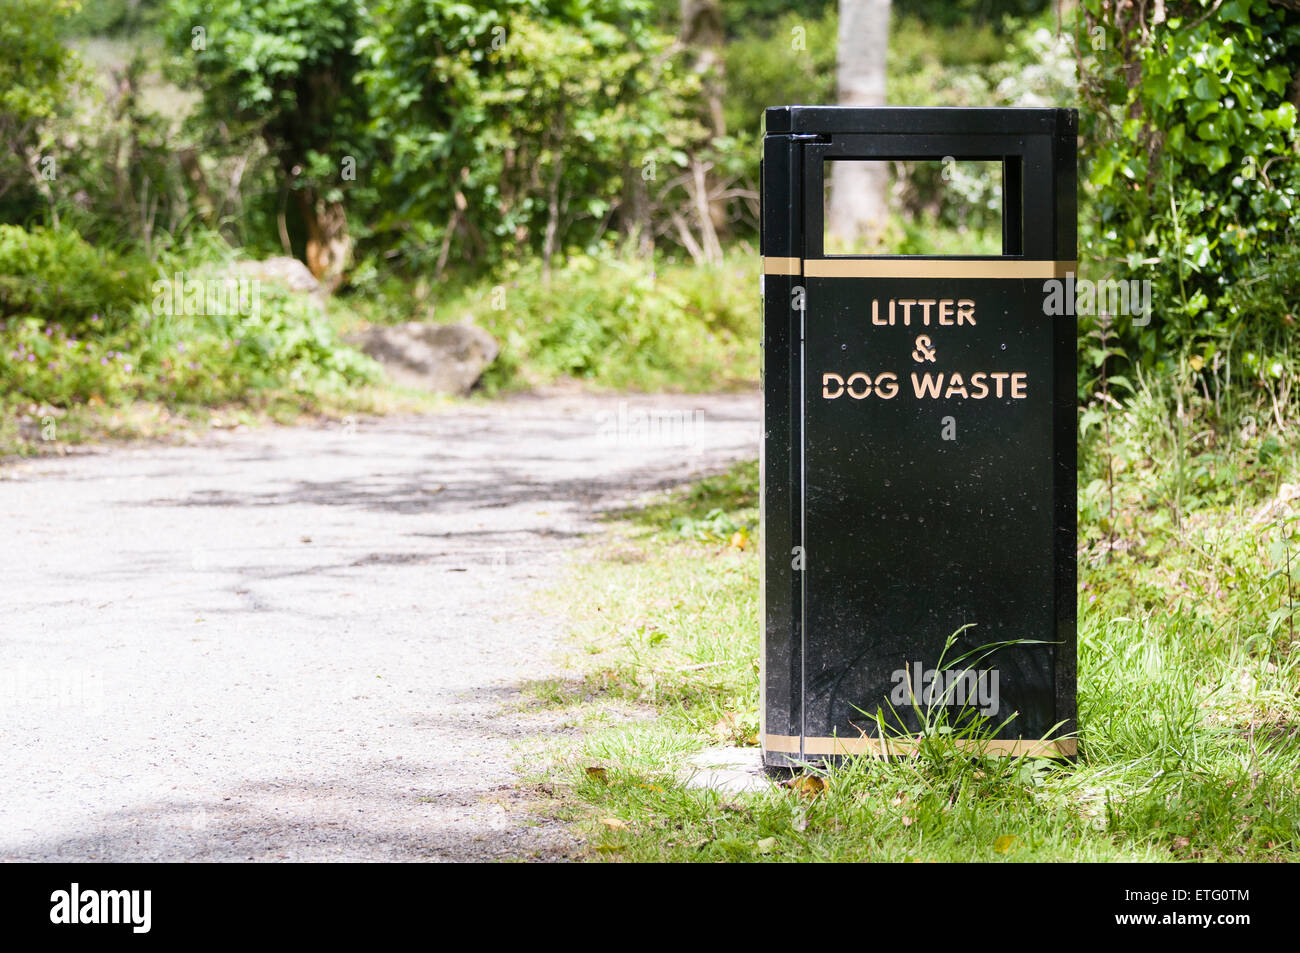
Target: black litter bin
918,471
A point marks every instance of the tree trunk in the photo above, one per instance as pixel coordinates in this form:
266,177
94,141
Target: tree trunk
704,35
859,190
203,201
329,247
634,215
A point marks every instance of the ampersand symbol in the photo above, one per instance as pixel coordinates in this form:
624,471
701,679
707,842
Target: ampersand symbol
924,352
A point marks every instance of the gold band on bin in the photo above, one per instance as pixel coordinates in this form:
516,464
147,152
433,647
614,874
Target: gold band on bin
782,266
880,748
918,268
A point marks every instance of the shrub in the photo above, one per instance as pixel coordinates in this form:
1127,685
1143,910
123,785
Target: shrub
52,274
620,323
284,344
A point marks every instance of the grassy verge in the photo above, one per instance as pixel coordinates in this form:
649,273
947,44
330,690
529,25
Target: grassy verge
99,344
608,320
1189,708
29,429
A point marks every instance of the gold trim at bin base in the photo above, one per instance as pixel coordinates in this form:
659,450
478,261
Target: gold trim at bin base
890,747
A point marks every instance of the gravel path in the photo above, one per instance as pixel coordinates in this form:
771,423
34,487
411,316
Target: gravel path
307,644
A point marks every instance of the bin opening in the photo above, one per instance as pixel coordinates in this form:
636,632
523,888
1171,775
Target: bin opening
933,207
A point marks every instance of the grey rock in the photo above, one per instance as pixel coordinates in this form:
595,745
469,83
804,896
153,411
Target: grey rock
289,272
444,358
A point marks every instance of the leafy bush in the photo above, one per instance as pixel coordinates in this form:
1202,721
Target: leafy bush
541,119
618,322
1188,140
789,59
204,359
37,74
53,275
83,325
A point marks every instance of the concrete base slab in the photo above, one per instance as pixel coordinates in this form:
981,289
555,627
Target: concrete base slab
729,770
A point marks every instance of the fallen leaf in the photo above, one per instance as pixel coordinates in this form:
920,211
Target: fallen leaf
766,845
597,773
614,824
1005,844
1182,842
907,821
809,785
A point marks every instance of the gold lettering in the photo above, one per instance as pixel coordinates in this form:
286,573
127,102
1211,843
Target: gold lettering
977,380
1019,380
945,311
931,386
966,311
886,388
955,386
826,386
926,303
906,305
866,388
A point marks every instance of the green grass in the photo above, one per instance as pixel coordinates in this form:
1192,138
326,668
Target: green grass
615,321
88,352
1188,692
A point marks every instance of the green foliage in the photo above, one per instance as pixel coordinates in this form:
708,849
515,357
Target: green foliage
82,323
787,60
962,14
37,73
54,276
285,66
201,359
1187,145
116,17
285,72
709,510
618,322
44,363
541,120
